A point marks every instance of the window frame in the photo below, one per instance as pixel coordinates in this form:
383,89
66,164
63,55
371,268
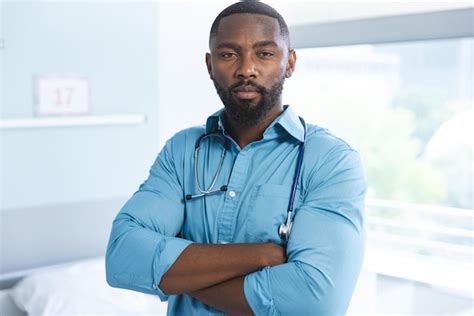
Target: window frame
437,25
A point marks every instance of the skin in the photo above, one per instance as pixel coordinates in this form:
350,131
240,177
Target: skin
250,47
246,47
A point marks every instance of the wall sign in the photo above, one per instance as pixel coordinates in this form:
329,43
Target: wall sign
57,95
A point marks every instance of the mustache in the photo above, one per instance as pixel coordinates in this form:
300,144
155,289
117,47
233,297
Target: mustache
243,83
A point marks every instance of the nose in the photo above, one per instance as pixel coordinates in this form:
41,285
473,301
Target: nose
247,68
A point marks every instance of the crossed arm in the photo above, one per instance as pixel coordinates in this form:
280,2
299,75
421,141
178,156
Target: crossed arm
214,274
317,278
324,252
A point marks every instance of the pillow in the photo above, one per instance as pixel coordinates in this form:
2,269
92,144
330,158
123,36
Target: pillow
81,288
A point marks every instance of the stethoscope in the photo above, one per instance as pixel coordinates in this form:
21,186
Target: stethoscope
284,229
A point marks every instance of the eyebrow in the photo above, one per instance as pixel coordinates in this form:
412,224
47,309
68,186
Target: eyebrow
265,43
227,45
237,47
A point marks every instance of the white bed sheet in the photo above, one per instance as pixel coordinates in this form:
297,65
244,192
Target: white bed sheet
80,289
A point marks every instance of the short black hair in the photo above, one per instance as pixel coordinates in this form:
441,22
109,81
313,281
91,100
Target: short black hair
253,7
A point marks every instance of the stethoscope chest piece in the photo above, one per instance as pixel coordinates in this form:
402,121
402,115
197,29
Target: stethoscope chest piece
284,230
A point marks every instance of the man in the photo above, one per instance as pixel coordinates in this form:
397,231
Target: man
203,229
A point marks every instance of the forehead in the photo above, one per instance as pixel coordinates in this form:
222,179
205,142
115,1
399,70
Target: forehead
248,27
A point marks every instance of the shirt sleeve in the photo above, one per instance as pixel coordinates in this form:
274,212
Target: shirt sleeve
325,248
143,243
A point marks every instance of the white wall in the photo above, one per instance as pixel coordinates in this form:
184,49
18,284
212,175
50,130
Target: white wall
114,45
186,94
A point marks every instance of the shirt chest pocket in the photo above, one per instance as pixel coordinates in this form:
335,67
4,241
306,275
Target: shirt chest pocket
267,211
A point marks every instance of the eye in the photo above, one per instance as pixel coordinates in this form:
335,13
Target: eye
266,54
227,55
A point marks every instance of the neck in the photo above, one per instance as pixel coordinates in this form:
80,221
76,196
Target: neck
248,134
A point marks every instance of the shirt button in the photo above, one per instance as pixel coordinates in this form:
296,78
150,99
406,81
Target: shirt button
232,194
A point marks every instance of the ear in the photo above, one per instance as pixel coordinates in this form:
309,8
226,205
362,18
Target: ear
208,64
290,67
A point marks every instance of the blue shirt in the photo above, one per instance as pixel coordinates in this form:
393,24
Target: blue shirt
326,245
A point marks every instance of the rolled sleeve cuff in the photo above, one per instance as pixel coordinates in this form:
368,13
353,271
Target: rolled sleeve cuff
168,251
257,290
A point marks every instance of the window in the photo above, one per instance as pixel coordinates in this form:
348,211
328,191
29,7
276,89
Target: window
407,108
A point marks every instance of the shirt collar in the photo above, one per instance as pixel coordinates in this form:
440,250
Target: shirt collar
290,122
287,119
214,122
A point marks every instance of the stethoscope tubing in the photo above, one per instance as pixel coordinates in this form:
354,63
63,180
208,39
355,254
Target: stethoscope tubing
285,228
214,179
210,190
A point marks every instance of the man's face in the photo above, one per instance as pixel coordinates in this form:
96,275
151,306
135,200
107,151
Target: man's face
248,64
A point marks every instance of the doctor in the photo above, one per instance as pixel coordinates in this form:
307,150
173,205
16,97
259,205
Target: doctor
209,230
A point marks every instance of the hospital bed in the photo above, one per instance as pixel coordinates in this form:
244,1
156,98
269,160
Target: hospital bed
52,263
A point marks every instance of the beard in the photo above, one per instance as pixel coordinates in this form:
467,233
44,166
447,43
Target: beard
244,113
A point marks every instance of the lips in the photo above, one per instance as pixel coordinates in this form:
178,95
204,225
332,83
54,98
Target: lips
246,92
